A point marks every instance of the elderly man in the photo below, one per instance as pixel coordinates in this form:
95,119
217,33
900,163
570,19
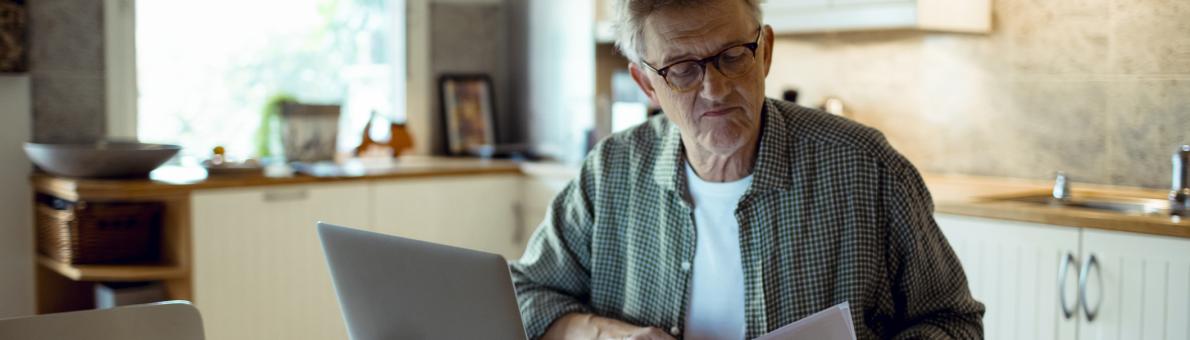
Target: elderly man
733,215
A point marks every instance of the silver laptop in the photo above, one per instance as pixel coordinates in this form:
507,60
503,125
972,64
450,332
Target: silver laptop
391,287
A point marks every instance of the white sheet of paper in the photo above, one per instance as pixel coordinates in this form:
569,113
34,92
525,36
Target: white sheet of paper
830,324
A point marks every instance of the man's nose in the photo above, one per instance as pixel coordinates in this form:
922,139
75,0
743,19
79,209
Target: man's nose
714,84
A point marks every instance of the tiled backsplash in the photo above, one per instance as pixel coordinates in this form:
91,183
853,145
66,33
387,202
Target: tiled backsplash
1099,89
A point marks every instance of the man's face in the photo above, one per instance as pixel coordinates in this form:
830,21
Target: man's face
721,113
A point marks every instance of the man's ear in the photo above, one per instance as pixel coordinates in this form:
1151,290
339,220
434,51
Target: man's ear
768,49
645,84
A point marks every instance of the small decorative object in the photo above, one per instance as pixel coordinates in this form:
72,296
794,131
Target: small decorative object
399,140
309,132
467,109
266,136
221,165
218,156
13,24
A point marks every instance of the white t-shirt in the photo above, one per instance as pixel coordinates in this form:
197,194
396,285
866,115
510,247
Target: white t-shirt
716,309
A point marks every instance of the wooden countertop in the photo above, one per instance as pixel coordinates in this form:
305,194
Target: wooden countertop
176,181
985,197
953,194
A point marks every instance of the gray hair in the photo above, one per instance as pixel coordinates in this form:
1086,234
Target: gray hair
631,15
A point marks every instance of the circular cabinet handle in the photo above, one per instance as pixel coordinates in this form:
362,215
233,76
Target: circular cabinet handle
1063,271
1082,287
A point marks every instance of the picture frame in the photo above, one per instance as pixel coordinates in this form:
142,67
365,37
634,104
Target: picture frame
468,113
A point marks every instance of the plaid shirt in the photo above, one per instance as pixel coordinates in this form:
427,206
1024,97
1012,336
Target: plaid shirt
833,214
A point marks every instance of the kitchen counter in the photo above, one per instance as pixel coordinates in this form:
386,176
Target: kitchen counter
198,216
953,194
173,181
984,197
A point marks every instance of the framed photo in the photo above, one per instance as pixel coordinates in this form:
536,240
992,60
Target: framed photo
467,113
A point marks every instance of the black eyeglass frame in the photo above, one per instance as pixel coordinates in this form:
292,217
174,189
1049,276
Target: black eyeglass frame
702,63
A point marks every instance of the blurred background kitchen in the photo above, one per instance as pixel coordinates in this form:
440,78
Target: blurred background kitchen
456,121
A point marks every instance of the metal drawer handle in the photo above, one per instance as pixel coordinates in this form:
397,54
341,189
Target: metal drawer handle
1082,287
1063,271
285,195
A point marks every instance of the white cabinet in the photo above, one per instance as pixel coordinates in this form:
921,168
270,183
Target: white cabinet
1014,269
259,270
809,16
542,183
1119,285
258,267
1137,288
476,212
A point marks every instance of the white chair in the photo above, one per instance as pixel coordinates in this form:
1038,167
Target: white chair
166,320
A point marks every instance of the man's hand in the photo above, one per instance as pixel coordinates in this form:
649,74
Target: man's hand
587,326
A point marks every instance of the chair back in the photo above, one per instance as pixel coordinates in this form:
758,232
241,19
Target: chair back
177,320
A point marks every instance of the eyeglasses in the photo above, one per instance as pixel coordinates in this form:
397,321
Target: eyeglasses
732,62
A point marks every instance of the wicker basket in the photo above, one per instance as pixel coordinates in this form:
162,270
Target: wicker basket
90,233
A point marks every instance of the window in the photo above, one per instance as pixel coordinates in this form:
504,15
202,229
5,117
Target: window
206,69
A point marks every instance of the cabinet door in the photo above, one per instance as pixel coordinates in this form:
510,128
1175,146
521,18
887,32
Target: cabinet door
259,270
539,194
1014,268
1138,288
475,212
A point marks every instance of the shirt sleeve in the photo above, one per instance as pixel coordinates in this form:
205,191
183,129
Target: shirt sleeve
930,294
552,277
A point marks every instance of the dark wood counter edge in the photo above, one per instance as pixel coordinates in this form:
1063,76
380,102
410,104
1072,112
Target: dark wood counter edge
973,200
953,194
73,189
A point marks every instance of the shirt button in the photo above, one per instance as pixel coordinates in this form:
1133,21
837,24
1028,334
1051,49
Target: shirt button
685,266
675,331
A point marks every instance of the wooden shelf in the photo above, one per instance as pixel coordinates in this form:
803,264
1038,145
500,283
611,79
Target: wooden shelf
115,272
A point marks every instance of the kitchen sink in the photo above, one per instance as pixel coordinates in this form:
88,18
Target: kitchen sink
1121,205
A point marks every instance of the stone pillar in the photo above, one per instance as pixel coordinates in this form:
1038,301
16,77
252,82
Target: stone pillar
66,65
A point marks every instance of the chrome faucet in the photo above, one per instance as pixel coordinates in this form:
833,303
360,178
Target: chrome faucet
1179,194
1061,187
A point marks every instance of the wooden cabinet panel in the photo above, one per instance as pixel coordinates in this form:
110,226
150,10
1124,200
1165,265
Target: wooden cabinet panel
475,212
259,270
1013,268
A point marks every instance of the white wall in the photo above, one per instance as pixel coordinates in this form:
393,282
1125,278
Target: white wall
559,85
16,232
418,99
